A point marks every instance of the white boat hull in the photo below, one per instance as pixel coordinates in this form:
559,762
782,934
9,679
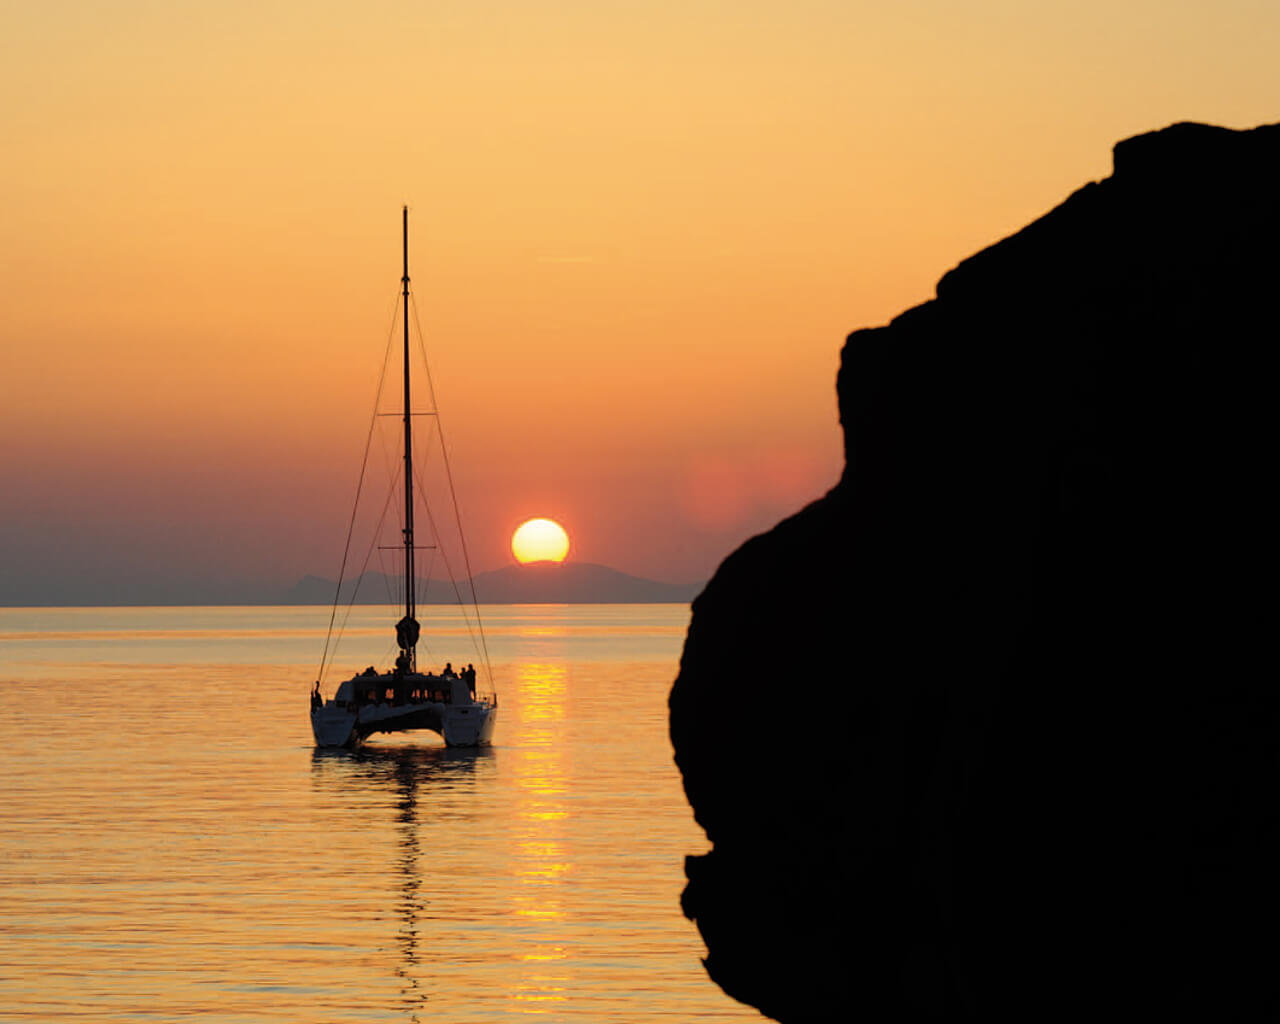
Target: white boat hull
459,725
469,726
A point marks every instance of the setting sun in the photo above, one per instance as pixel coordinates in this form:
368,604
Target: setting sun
540,540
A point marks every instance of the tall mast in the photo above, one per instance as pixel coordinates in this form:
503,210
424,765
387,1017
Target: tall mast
407,628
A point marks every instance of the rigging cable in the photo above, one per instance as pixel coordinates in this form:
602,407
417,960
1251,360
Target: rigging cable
355,591
364,463
422,593
453,580
453,496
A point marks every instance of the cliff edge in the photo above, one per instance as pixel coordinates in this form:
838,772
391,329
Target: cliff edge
1010,750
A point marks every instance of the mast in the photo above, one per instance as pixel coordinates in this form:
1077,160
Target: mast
407,628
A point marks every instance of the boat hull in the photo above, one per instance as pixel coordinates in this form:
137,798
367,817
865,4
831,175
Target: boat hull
469,726
333,726
459,725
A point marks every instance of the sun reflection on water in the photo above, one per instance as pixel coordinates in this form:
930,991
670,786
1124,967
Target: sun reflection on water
543,857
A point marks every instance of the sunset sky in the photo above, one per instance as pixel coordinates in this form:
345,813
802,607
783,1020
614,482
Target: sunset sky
639,235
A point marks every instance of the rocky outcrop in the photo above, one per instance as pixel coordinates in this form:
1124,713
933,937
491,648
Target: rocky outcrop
1010,750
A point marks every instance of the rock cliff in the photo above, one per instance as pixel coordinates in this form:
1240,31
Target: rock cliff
1010,750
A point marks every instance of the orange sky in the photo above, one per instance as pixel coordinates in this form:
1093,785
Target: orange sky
640,233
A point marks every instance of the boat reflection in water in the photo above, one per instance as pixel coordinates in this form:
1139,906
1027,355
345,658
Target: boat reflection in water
419,787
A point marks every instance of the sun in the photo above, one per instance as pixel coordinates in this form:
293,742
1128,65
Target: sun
540,540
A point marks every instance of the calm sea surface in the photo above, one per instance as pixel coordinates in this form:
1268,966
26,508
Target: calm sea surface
172,845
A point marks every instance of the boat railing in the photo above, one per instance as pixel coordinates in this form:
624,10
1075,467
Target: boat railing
395,697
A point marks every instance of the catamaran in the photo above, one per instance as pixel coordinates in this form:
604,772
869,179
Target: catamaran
403,698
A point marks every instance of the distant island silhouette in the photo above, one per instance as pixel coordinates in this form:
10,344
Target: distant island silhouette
536,583
1022,755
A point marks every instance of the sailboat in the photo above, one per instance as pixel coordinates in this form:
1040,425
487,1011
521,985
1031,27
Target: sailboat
403,698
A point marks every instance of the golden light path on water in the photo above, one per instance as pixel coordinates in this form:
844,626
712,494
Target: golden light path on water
543,857
172,845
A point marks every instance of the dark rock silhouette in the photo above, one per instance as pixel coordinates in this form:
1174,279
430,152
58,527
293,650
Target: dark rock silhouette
1010,750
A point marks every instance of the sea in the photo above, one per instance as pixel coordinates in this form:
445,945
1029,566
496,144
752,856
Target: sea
173,846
